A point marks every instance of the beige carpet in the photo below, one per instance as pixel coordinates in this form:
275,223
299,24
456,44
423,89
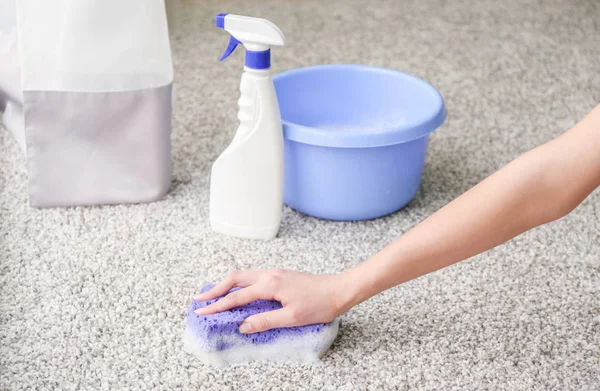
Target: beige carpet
94,298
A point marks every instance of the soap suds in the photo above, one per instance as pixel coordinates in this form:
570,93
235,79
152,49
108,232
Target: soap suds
216,340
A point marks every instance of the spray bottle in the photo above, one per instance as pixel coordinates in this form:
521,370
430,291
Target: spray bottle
246,185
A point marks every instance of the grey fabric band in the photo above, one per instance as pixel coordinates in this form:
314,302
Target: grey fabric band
98,148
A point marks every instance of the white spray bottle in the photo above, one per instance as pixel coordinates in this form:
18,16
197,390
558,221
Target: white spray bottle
246,185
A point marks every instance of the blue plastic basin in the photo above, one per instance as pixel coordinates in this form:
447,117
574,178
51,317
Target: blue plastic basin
355,138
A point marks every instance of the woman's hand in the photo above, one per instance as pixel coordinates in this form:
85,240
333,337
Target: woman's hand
306,298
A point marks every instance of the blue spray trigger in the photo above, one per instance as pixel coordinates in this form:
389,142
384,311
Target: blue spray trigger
233,42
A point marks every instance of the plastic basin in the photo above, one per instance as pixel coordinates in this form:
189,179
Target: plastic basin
355,138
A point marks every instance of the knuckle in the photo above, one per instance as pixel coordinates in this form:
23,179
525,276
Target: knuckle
263,323
295,315
275,276
234,297
233,276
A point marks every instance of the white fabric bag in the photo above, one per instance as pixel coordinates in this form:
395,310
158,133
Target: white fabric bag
86,90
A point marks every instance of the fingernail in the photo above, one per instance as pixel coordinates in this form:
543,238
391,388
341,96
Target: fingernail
198,297
200,311
245,328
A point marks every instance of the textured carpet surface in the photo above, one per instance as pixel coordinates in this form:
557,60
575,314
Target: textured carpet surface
94,298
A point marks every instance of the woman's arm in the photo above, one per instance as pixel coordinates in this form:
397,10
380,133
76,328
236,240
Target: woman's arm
540,186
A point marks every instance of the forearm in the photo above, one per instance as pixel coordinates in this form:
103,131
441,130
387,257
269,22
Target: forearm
538,187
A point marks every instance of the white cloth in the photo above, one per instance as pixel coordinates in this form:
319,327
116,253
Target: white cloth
86,91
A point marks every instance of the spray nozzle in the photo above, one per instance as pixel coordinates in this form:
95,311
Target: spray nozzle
257,35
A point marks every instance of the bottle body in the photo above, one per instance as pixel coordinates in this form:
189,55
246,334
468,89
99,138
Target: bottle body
246,185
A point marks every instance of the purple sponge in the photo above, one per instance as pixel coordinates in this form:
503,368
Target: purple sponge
215,338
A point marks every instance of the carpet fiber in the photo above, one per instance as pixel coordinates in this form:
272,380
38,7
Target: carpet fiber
94,298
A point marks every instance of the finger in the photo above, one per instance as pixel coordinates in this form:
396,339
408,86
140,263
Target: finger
234,279
234,299
267,320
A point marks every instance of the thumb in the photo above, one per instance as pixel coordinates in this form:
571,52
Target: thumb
266,321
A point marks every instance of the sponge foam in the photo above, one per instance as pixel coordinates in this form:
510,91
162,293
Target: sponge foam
215,338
